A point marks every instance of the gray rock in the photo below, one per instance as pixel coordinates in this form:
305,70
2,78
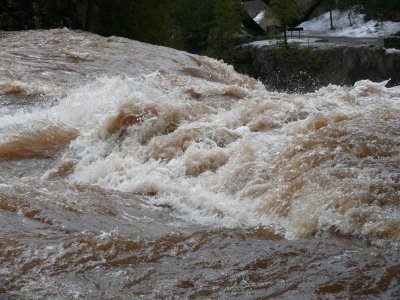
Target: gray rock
342,65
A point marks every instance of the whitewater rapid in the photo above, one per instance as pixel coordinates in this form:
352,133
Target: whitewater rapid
189,133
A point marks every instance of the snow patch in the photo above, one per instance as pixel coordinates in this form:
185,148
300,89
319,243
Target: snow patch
299,41
259,44
259,17
350,23
392,51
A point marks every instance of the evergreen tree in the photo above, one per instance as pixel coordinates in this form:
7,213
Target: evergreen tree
382,9
228,15
152,23
286,11
144,20
208,26
192,21
197,26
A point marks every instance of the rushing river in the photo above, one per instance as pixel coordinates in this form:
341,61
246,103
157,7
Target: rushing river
134,171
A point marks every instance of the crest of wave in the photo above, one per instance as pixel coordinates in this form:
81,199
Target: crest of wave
218,148
241,156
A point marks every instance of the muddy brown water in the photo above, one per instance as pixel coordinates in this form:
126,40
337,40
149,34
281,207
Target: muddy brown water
131,171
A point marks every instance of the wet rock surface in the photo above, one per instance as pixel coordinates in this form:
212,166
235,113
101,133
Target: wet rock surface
339,64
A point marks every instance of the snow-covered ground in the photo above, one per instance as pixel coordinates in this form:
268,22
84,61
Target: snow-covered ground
299,41
357,28
347,24
392,50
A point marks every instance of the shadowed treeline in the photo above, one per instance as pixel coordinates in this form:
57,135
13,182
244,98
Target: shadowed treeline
207,26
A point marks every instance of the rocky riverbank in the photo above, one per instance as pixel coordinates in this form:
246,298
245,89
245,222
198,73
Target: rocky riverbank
304,68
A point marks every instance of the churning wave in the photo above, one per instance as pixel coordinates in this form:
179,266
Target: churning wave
214,145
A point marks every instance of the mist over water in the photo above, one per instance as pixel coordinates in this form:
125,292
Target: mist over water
133,170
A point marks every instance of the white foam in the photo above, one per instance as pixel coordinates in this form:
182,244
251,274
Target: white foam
212,197
302,163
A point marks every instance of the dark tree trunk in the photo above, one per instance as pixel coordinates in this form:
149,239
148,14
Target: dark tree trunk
284,34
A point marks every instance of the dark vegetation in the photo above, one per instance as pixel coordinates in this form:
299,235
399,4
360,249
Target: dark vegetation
197,26
297,58
382,9
211,27
296,68
375,9
286,11
283,68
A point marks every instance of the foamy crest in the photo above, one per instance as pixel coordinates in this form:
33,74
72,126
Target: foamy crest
218,148
321,161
